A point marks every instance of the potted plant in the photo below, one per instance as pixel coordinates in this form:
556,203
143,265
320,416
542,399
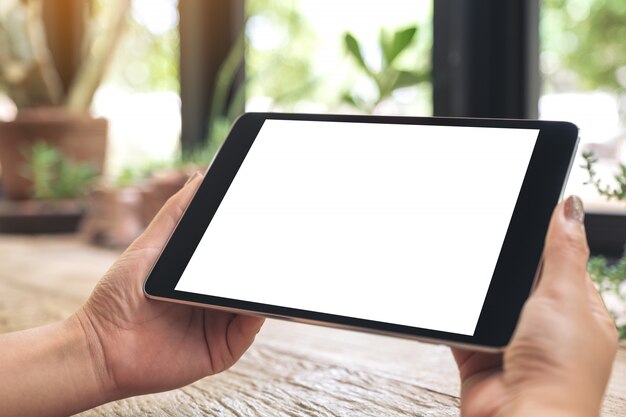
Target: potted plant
119,211
114,211
59,186
48,108
609,271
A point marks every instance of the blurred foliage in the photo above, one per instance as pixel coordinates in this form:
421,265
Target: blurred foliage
149,61
611,279
128,177
389,77
588,38
281,70
54,176
228,100
279,46
133,175
616,192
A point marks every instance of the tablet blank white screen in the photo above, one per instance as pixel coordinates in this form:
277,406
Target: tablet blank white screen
393,223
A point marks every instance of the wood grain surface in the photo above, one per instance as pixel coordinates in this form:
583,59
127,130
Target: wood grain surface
292,369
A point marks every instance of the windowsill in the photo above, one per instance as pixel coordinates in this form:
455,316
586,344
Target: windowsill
606,207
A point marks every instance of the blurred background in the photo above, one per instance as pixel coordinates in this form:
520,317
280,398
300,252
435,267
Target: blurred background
106,107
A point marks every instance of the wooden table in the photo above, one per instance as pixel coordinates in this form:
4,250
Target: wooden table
292,369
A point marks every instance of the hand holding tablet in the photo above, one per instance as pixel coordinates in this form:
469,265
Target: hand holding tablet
560,356
120,343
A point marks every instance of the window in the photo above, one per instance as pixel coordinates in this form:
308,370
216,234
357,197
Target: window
583,62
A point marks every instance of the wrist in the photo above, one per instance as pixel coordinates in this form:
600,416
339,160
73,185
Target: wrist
92,357
53,367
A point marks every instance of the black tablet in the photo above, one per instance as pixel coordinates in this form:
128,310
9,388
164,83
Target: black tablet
430,228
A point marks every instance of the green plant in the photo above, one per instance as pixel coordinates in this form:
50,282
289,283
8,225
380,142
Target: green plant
284,74
617,192
204,155
587,37
283,70
611,279
583,47
56,178
133,175
126,178
389,77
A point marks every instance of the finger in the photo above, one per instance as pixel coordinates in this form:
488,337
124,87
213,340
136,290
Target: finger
471,363
241,333
164,223
565,253
461,355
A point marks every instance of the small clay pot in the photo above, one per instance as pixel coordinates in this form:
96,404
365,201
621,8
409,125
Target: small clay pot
78,136
113,216
158,189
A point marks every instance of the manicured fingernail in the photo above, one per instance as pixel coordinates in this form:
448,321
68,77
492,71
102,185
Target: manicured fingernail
192,177
574,209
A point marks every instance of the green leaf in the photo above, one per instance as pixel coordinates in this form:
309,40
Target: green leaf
349,99
408,79
401,41
610,192
386,46
353,47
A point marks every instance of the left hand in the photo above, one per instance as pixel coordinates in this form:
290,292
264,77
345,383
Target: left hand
140,345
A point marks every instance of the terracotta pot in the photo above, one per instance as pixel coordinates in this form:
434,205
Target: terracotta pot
113,217
161,186
80,137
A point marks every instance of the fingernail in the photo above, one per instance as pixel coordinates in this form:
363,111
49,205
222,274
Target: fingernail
574,209
192,177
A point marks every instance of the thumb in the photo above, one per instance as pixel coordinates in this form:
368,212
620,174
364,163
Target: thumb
566,253
159,230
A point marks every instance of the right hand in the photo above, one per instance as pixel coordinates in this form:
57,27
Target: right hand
560,358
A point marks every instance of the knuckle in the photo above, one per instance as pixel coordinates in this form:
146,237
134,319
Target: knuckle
172,210
171,202
577,244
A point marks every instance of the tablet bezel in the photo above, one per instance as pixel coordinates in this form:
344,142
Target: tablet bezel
515,271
